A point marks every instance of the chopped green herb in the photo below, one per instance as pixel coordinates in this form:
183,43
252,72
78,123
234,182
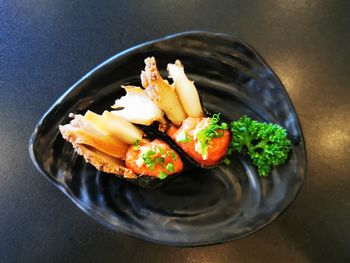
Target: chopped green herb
162,175
148,160
227,161
136,145
170,167
160,150
150,152
182,137
159,160
151,166
205,135
171,154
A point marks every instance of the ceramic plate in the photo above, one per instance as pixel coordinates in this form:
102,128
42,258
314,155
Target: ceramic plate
200,206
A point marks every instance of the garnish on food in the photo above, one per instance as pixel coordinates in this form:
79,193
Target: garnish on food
266,143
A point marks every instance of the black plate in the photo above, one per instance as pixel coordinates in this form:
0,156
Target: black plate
200,206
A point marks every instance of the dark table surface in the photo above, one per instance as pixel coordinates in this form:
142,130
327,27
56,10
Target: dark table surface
47,45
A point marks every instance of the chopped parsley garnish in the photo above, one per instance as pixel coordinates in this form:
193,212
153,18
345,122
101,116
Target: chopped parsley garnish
148,160
136,145
160,150
227,161
205,135
150,152
151,166
159,160
171,154
162,175
170,167
151,158
182,137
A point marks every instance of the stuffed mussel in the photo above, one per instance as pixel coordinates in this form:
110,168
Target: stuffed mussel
204,141
116,146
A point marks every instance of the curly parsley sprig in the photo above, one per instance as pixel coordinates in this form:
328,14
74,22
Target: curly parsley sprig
266,143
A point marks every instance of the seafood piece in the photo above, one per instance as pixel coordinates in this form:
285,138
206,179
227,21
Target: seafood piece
121,128
162,93
185,90
81,131
137,107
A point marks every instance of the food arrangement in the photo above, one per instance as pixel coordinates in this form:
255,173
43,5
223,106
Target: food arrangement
154,132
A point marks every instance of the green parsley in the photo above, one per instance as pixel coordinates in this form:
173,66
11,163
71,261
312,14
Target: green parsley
170,167
162,175
266,143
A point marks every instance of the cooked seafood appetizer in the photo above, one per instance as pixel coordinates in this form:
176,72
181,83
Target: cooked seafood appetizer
116,142
114,145
203,139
